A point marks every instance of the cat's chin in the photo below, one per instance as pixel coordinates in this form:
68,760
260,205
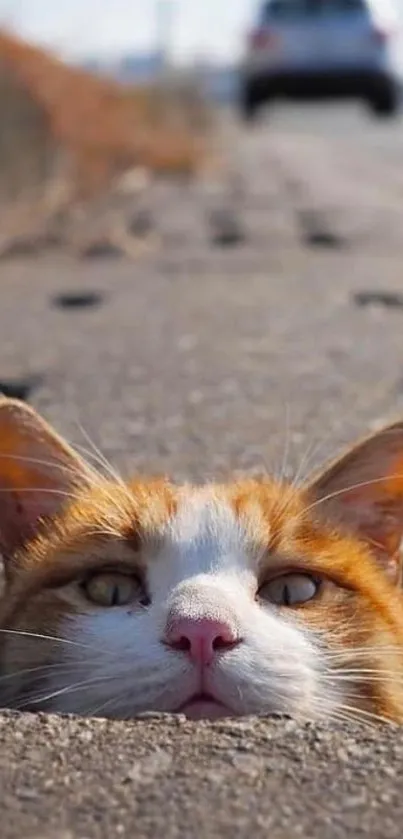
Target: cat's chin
204,708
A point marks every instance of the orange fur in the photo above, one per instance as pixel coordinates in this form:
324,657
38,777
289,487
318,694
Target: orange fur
350,539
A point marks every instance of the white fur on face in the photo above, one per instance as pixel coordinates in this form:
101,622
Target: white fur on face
203,567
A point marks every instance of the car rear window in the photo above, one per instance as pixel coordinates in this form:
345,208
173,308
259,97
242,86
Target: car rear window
283,9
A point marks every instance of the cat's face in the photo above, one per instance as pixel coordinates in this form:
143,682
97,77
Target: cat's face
246,598
206,608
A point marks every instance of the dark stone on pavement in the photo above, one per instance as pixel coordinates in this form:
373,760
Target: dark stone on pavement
78,300
19,388
390,300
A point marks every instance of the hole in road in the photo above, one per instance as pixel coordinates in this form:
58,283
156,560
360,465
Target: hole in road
388,299
317,230
78,299
227,231
19,388
141,224
323,239
104,249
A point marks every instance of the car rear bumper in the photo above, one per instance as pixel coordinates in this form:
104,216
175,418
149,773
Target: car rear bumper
315,83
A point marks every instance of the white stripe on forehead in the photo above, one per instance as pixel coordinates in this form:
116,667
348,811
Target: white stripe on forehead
203,517
205,536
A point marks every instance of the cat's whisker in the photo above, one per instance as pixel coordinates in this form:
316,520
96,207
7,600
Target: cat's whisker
363,652
110,471
109,703
51,464
283,469
351,417
46,490
109,468
344,716
83,450
42,668
89,477
281,507
298,481
102,532
53,638
310,451
39,699
371,716
313,450
89,456
121,505
315,447
359,680
364,671
361,485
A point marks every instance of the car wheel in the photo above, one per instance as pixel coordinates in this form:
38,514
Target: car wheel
249,105
384,104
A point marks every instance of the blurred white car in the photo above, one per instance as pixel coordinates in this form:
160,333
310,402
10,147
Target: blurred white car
323,49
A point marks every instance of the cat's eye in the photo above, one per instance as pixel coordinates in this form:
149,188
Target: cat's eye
112,589
290,589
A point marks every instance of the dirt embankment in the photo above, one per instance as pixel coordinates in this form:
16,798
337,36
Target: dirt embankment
67,135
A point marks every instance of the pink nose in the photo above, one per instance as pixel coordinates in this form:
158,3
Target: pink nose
201,639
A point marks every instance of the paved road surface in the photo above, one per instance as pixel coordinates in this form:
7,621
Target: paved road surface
68,779
203,359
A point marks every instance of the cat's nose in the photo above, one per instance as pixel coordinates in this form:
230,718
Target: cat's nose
200,638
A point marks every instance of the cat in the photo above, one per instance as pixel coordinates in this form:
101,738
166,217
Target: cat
253,597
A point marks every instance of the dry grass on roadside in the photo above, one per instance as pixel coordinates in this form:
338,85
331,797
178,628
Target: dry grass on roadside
67,135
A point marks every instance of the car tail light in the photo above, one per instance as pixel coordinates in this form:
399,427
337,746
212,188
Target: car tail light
379,36
261,39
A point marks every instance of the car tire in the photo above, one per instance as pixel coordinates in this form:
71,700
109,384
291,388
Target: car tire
249,104
384,104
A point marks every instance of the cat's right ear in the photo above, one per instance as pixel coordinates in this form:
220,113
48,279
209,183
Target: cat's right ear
362,491
39,472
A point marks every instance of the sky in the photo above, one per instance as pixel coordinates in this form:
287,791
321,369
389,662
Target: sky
77,28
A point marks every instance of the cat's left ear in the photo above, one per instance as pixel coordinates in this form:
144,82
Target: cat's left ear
39,474
362,492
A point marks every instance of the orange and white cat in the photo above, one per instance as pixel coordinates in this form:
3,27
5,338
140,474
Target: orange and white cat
252,597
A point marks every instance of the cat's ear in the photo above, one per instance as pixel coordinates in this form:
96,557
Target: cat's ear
362,491
38,473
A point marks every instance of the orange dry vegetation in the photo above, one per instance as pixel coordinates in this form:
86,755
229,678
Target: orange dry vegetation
104,127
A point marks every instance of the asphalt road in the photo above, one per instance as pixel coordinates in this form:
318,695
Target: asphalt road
206,356
75,779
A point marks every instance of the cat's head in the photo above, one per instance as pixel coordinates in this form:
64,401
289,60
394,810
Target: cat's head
252,597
